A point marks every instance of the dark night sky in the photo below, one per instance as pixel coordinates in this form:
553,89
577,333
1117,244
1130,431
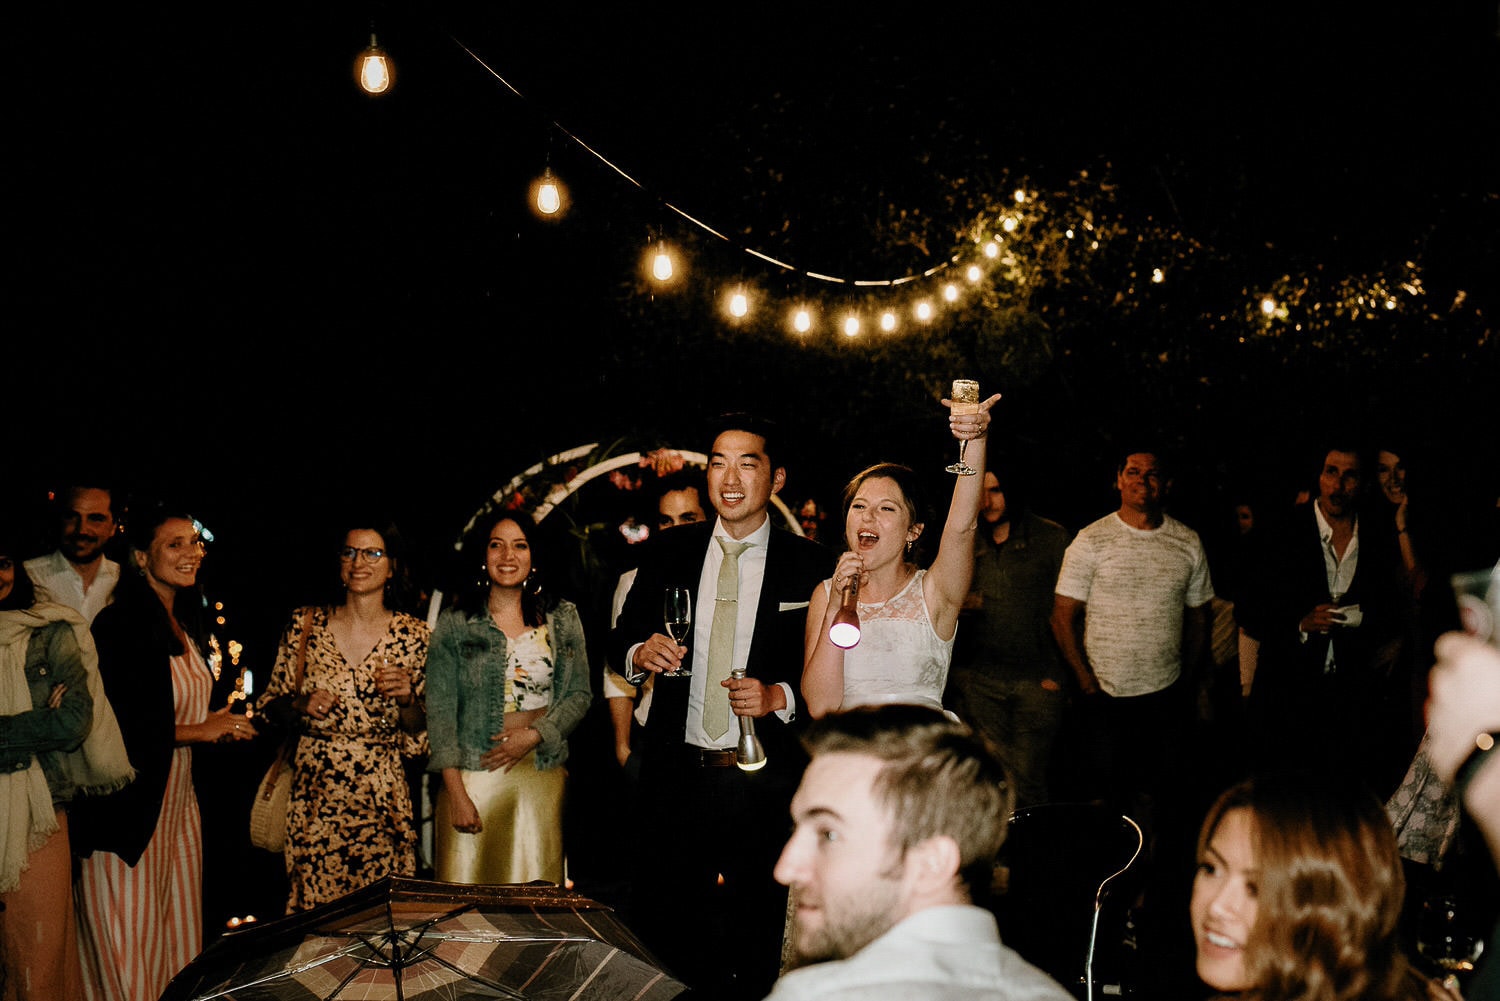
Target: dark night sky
237,271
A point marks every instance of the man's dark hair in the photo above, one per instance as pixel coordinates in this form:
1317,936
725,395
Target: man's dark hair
687,478
754,424
63,495
1163,461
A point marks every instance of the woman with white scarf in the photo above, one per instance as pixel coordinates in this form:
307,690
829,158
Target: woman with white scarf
58,739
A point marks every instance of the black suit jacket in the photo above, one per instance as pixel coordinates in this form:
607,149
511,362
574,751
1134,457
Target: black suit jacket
794,566
135,642
1291,579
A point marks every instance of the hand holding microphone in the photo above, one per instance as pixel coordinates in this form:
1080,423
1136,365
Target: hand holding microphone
844,630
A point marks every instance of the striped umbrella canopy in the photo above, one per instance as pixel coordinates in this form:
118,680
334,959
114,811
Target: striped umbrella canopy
414,940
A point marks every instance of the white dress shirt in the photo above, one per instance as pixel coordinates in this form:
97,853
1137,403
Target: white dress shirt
1340,571
58,580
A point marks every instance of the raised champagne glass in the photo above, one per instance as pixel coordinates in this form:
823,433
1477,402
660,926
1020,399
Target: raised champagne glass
965,400
677,615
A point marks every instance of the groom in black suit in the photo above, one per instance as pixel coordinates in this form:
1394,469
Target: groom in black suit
707,902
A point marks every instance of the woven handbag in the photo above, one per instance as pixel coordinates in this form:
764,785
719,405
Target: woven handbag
268,812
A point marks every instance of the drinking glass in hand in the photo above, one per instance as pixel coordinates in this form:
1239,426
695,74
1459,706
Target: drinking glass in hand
1478,595
677,613
965,400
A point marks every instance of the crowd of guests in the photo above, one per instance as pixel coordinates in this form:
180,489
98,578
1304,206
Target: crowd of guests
1128,664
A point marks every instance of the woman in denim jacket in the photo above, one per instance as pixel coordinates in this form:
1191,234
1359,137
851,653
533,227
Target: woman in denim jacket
507,682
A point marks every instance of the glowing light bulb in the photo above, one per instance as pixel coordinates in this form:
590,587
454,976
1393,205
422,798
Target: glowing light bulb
1158,275
1020,196
661,264
374,69
992,249
851,325
950,292
923,311
887,321
738,304
974,274
1009,225
802,322
548,195
1268,306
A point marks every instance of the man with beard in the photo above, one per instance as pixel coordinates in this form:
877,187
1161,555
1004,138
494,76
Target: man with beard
898,820
77,573
1009,677
1323,603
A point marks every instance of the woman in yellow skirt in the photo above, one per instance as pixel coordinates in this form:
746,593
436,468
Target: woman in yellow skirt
507,682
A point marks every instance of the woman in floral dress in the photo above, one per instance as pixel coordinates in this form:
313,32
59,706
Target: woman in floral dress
360,714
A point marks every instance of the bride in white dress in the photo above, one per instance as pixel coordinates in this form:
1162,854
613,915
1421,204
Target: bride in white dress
908,616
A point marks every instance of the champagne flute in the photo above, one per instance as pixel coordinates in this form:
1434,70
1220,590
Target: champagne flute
965,400
677,613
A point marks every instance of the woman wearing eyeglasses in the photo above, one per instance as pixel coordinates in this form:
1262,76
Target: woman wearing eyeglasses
360,714
509,682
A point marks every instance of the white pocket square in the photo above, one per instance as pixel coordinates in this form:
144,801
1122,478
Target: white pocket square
792,606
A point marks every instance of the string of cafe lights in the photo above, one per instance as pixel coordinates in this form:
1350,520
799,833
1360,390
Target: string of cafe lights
1288,304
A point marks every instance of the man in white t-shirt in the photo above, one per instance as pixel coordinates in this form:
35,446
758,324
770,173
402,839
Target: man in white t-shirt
77,573
1131,617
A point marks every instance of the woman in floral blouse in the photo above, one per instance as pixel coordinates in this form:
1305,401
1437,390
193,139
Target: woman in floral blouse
508,680
359,711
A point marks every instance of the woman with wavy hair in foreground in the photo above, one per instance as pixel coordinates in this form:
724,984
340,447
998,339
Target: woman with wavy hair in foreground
1298,894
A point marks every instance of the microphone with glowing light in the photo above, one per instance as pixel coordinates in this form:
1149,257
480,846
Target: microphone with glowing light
845,629
748,753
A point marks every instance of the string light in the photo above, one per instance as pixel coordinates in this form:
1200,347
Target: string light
739,304
1033,261
548,194
661,263
373,68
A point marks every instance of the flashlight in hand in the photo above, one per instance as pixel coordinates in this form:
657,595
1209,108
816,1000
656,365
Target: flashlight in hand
748,753
845,629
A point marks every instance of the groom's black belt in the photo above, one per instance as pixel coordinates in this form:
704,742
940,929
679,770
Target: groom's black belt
711,757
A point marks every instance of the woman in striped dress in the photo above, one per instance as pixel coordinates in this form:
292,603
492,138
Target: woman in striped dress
140,894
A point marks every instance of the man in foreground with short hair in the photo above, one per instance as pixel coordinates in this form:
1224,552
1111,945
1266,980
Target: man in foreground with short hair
899,818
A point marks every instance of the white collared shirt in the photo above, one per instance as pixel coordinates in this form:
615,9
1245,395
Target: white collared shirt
1340,571
58,580
752,575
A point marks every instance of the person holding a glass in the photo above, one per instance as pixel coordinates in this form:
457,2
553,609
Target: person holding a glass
358,708
907,615
507,682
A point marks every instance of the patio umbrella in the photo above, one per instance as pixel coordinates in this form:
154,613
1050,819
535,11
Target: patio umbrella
413,940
